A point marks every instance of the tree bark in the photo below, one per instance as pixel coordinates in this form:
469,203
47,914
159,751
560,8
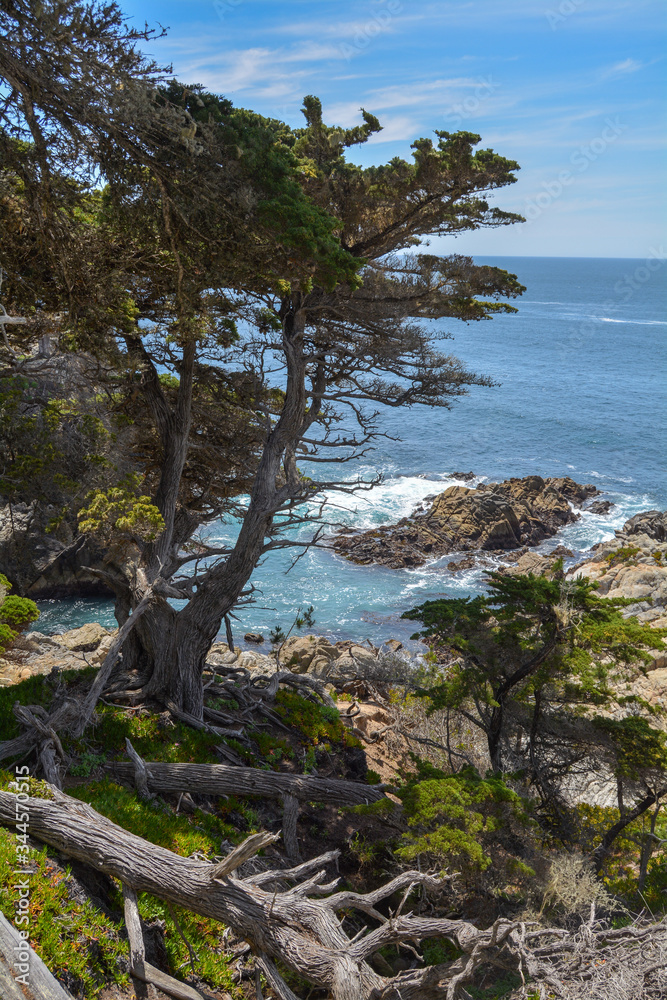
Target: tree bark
221,779
303,933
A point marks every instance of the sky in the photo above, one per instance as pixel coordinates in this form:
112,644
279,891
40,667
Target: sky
574,90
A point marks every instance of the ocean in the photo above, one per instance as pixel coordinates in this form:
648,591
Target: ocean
581,368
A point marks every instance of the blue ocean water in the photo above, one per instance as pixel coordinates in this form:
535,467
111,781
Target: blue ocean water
581,368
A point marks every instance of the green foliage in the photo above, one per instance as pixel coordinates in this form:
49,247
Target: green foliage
212,962
151,735
16,613
151,821
82,946
639,748
120,511
451,817
530,632
40,437
19,612
624,554
317,723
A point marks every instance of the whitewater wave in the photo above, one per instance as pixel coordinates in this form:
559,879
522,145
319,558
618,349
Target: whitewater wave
631,322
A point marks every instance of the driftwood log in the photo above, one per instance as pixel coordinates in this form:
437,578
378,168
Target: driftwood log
37,983
292,916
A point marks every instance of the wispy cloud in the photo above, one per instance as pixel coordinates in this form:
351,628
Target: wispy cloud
622,68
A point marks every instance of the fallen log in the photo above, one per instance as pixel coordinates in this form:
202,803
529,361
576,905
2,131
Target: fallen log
284,924
225,779
39,983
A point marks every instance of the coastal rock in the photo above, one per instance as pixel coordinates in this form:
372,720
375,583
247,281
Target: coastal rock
42,564
84,639
493,517
249,659
254,637
35,653
633,565
308,654
651,522
600,507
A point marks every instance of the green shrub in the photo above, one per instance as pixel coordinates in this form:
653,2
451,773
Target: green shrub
452,818
16,613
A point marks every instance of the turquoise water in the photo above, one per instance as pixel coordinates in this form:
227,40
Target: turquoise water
582,373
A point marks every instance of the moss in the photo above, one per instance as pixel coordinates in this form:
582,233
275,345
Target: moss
174,831
152,736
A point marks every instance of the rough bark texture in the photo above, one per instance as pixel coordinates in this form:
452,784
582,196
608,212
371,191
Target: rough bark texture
305,934
221,779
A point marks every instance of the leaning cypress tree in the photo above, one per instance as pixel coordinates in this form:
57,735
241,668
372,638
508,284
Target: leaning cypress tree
335,341
227,246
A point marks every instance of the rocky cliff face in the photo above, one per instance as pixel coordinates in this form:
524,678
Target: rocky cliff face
40,564
493,517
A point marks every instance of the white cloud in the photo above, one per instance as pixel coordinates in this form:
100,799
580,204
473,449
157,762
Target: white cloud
622,68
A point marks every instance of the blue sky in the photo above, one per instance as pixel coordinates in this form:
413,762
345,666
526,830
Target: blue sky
572,89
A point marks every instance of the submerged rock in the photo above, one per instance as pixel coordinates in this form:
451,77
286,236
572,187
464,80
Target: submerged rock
493,517
600,507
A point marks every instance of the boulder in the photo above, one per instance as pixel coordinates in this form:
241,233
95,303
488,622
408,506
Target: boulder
493,517
633,565
254,637
652,523
307,653
84,639
600,507
40,654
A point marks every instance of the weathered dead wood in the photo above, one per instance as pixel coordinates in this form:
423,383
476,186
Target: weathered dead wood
224,779
305,934
104,673
134,932
290,818
71,715
195,723
140,772
248,849
42,984
139,967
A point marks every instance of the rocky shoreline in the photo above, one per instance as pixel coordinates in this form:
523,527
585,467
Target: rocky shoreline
493,518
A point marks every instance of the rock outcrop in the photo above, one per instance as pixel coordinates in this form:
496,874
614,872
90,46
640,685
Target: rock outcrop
43,564
494,517
633,565
312,654
35,653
